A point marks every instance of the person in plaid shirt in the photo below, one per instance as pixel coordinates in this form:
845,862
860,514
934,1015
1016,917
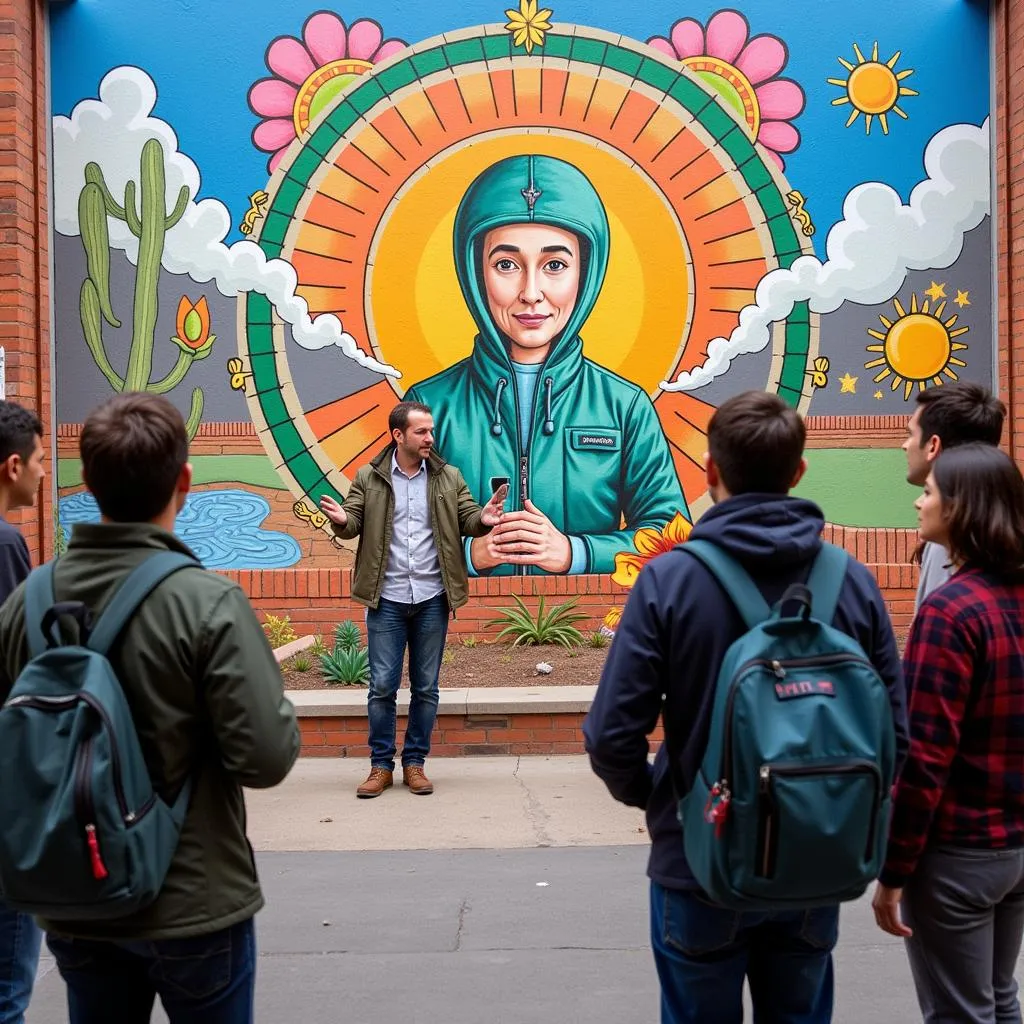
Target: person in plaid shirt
953,882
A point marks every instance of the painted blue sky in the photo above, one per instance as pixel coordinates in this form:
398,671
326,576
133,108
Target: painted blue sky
205,55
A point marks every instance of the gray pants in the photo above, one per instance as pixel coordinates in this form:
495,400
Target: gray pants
966,908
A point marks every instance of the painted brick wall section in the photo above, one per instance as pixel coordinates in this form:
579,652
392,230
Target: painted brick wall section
24,244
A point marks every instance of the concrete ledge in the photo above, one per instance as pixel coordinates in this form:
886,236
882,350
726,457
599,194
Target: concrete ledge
475,700
289,650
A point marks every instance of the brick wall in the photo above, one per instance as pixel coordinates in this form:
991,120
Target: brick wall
1009,156
459,735
24,244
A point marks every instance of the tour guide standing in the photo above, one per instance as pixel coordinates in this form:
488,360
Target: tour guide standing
410,510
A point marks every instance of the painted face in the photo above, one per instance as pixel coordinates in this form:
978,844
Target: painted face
26,474
417,439
919,457
532,278
931,516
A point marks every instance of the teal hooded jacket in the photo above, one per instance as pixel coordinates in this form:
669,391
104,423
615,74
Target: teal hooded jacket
597,455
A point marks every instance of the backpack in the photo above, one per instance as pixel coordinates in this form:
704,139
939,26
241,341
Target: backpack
790,808
85,837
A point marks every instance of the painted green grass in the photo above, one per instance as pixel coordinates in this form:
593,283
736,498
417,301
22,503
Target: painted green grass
854,486
860,486
254,470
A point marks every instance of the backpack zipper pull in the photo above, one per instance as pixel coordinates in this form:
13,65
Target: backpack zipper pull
779,671
99,870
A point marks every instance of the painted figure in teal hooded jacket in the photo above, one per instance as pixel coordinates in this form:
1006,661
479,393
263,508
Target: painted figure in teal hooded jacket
581,448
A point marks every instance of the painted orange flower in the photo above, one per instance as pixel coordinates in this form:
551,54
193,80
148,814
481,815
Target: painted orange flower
611,620
649,544
193,323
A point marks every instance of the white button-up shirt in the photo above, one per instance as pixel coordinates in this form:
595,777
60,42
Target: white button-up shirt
413,572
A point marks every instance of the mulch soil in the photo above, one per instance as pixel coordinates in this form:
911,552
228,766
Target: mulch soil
490,665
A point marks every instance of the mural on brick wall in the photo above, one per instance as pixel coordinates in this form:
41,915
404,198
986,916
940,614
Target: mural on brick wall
572,231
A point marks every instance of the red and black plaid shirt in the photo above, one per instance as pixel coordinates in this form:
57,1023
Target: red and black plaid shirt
963,782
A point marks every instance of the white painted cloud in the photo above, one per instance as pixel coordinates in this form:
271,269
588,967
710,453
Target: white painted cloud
111,132
870,252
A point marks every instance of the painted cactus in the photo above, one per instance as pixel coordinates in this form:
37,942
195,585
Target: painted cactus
145,213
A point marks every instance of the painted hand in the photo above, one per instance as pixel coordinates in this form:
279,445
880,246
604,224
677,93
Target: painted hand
495,508
886,905
530,538
333,511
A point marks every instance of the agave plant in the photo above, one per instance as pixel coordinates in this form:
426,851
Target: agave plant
346,666
549,627
347,636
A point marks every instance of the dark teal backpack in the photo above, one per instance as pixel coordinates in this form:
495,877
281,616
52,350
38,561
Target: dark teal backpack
790,808
84,835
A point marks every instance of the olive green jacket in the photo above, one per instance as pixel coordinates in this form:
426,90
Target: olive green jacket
207,700
370,506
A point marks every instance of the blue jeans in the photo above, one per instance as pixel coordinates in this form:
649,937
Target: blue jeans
703,952
19,957
390,627
208,979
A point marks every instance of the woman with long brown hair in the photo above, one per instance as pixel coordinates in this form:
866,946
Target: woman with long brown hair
953,883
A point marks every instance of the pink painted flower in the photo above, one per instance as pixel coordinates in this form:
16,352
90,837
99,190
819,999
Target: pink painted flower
309,73
744,73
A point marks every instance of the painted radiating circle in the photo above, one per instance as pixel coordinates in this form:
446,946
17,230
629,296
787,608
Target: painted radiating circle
363,204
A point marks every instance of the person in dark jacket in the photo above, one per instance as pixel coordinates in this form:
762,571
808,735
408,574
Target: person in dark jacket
207,701
21,472
664,662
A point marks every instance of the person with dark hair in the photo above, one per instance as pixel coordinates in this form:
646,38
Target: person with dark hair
664,662
410,510
945,417
21,472
953,882
208,705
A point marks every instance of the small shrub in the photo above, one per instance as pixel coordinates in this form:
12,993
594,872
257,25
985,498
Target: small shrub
469,642
505,659
318,647
302,662
549,627
597,640
279,630
448,658
346,667
347,636
573,652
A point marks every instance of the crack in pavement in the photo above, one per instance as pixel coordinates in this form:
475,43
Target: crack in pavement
463,908
535,813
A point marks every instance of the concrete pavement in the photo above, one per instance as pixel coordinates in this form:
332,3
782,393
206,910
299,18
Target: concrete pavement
514,895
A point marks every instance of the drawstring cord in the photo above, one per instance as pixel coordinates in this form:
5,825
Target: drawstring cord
496,425
549,423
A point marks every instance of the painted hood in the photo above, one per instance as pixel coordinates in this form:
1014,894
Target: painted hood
525,190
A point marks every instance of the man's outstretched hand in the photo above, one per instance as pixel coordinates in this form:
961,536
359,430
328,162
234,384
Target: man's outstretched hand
333,511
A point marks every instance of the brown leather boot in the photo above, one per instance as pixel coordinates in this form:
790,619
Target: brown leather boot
416,779
376,782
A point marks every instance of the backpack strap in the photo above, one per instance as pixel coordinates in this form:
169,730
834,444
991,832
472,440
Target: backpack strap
136,587
733,579
826,581
39,599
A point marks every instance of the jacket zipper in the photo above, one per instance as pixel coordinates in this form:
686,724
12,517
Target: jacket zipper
779,668
767,831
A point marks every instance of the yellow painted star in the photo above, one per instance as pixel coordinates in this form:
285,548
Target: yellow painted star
847,385
937,291
962,298
878,395
528,25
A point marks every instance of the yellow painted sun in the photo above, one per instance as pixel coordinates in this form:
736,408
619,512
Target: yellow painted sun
873,88
918,347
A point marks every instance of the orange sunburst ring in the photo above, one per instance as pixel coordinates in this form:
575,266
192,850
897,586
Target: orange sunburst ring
363,206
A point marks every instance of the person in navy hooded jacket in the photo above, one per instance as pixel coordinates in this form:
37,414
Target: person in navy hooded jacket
664,661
